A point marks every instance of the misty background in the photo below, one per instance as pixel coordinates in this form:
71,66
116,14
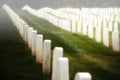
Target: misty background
37,4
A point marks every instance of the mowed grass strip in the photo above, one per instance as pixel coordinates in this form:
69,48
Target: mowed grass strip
85,54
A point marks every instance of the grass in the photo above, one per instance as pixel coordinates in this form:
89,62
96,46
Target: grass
84,54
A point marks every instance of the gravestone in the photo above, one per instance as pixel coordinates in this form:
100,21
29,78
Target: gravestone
20,27
26,33
63,69
46,57
83,76
116,26
30,29
106,37
98,34
110,26
34,34
73,26
116,41
84,28
90,30
79,26
39,48
57,53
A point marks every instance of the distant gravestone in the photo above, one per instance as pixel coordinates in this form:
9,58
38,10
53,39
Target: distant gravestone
26,33
110,26
30,29
98,34
46,57
83,76
84,28
90,30
63,69
60,23
116,41
116,26
30,37
67,25
106,37
20,26
39,48
34,34
73,26
79,27
104,24
57,53
95,22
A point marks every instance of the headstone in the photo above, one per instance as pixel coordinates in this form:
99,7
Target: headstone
63,69
83,76
90,30
46,57
84,28
79,27
26,33
116,41
98,34
106,37
73,26
116,26
20,27
104,24
39,48
30,29
34,34
60,23
110,26
67,25
95,22
57,53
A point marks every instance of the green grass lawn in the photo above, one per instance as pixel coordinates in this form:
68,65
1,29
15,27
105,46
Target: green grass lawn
85,55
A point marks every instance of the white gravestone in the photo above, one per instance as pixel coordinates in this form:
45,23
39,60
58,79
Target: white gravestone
116,41
30,37
39,48
67,25
34,34
116,27
83,76
57,53
84,28
106,37
20,28
26,33
73,26
104,24
46,57
90,30
60,23
110,26
79,27
98,34
63,69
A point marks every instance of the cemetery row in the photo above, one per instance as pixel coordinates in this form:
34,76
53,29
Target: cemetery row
42,50
100,24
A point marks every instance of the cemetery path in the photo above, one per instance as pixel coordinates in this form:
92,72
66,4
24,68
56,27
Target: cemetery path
16,62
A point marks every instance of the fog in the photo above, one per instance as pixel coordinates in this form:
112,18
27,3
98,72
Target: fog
61,3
